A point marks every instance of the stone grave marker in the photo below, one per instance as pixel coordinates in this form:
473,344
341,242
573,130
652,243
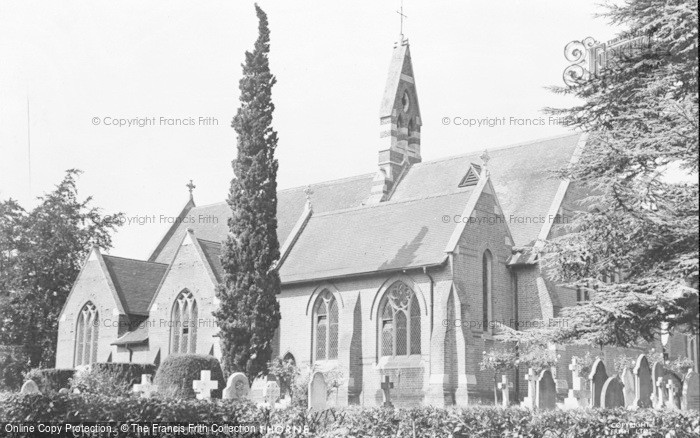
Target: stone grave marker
504,387
579,396
658,395
643,384
146,387
546,391
674,385
317,392
597,379
690,395
30,387
531,377
257,389
628,386
612,394
237,387
387,386
271,393
204,386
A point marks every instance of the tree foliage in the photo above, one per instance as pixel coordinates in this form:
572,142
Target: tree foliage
640,222
40,256
248,314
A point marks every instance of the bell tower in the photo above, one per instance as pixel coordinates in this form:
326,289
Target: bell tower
399,123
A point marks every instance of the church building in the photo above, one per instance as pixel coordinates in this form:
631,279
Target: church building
407,271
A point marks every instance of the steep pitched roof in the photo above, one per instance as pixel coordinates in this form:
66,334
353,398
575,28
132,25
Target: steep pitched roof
136,281
521,176
380,237
212,252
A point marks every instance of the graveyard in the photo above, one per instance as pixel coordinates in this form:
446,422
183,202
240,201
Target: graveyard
646,400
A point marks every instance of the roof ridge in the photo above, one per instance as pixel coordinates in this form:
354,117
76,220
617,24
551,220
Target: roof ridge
498,148
388,203
133,260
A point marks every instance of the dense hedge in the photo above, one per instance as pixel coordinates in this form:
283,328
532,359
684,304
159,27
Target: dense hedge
354,421
131,372
50,379
176,374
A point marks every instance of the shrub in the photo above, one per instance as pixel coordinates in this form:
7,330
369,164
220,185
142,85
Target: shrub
130,372
285,371
176,374
11,370
109,378
50,379
358,422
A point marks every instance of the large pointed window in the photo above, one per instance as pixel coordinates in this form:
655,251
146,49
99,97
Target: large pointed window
325,327
399,319
486,293
183,335
87,332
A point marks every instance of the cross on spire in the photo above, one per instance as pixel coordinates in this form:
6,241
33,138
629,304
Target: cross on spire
402,15
191,187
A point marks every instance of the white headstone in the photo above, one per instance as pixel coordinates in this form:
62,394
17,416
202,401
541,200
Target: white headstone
146,387
546,391
257,389
30,387
628,386
505,391
317,392
237,387
597,379
204,386
271,393
531,377
674,385
690,395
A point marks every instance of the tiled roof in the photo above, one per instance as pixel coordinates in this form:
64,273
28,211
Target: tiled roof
136,336
136,281
210,222
344,236
386,236
212,252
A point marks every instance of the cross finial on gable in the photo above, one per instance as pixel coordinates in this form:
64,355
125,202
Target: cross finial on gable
485,157
402,15
191,187
308,192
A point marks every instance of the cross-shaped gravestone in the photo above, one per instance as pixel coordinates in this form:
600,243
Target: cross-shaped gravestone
660,392
146,387
505,393
204,386
387,385
531,378
673,388
576,379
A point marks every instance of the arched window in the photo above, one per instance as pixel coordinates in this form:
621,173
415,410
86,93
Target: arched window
86,335
325,327
183,332
486,293
399,322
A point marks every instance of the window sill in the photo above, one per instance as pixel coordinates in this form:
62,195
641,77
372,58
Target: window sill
389,362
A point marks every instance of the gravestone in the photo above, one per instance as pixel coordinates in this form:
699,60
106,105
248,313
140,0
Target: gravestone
690,395
317,392
643,384
658,395
579,395
674,384
237,387
529,401
628,386
271,393
612,394
546,391
146,387
504,387
204,386
257,390
30,387
387,386
597,379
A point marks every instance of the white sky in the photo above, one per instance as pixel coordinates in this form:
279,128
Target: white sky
173,59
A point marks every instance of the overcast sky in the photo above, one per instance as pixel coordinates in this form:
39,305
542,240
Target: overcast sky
78,63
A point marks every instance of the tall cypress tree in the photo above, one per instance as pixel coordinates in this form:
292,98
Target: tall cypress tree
249,313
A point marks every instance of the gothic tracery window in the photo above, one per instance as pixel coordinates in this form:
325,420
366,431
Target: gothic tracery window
183,336
87,332
326,327
400,322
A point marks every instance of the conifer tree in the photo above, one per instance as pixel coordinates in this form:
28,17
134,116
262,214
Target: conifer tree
639,226
248,314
